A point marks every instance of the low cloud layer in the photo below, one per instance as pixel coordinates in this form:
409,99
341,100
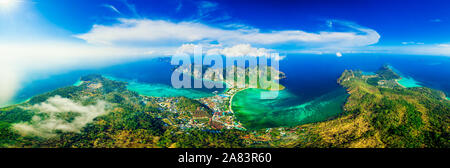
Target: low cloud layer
18,60
60,114
160,31
239,50
9,82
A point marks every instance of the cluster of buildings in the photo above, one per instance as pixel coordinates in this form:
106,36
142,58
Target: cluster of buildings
173,116
223,116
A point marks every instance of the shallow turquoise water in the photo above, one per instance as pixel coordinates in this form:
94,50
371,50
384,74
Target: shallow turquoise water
286,110
409,82
78,83
309,79
406,81
161,90
368,73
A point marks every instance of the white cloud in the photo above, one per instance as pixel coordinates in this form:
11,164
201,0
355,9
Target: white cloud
406,43
241,50
188,48
131,8
45,55
443,45
56,107
411,42
17,60
413,49
112,8
205,7
435,49
159,31
9,83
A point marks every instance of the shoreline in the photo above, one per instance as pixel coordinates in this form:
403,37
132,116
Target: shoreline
232,96
398,83
408,79
231,99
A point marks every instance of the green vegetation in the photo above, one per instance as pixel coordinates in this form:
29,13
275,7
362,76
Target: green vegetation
193,107
14,114
248,77
385,72
378,116
7,135
378,113
130,122
66,92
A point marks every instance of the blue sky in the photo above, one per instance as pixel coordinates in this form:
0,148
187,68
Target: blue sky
399,25
397,21
46,35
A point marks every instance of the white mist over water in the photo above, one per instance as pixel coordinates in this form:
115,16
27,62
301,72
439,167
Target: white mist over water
9,82
21,61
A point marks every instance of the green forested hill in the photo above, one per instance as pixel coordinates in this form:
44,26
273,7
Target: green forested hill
379,116
102,113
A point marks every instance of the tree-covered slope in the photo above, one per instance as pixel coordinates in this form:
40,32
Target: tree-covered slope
380,116
101,113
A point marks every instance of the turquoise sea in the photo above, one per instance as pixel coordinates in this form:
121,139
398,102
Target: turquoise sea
311,93
406,80
162,90
286,109
409,82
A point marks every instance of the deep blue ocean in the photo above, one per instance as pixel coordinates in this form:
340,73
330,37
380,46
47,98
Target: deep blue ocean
308,76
